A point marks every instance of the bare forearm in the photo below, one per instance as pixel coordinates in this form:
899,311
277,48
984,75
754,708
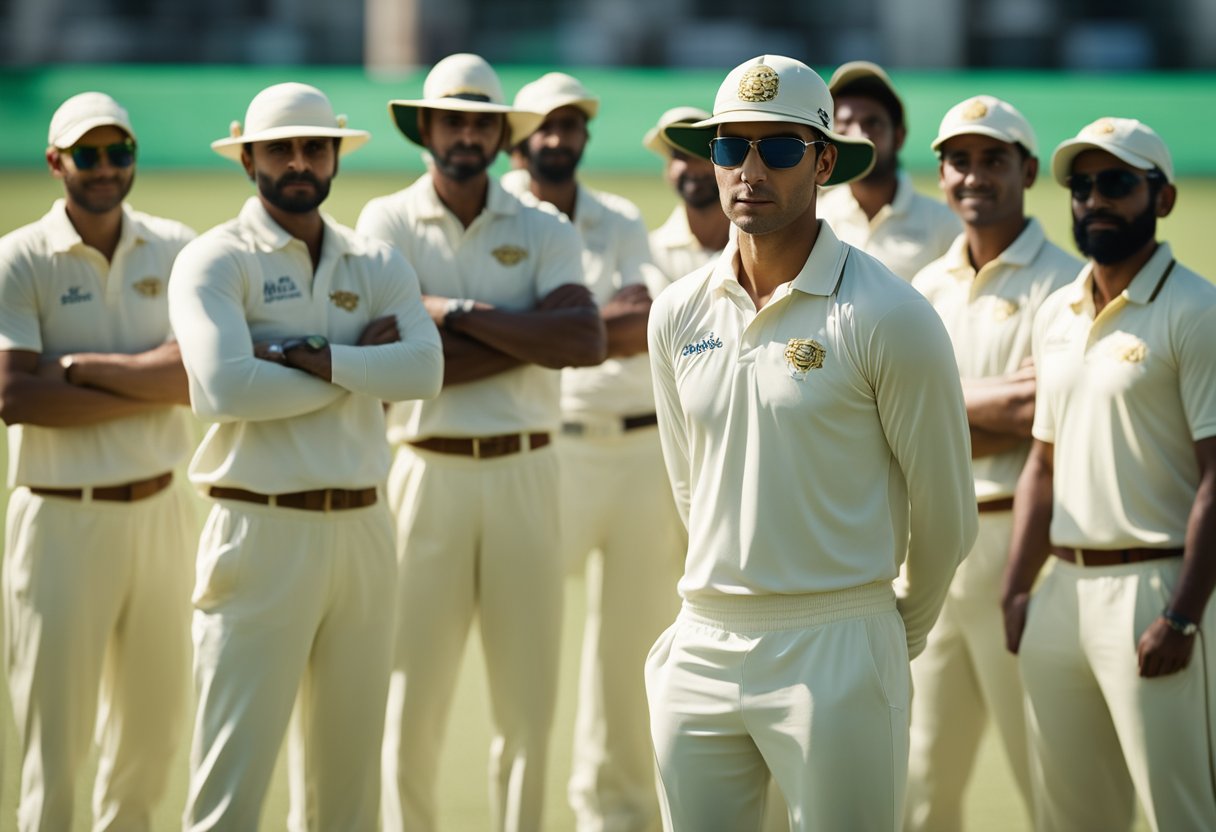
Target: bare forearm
1030,540
986,443
52,403
1001,406
1198,576
155,376
466,360
626,334
554,338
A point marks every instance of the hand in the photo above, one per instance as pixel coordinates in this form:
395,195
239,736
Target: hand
436,307
379,332
1163,650
629,300
1014,608
52,368
318,363
567,296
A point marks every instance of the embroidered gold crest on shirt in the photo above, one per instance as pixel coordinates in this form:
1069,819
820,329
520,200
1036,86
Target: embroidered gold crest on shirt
509,255
975,111
1127,348
758,84
344,300
803,355
1003,309
149,287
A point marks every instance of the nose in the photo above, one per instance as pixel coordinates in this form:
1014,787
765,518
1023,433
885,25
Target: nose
299,160
753,169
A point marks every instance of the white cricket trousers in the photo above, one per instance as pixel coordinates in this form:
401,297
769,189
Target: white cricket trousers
97,605
1101,735
965,677
291,603
476,538
810,689
620,521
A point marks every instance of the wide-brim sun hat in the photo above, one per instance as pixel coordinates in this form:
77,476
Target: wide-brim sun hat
555,90
773,88
84,112
1124,138
862,78
462,83
289,111
656,140
986,115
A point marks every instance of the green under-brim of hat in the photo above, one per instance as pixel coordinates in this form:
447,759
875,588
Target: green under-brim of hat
405,115
854,157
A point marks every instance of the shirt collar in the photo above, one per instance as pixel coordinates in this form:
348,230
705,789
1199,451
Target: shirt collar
904,194
431,207
1139,291
272,237
63,236
1021,252
819,275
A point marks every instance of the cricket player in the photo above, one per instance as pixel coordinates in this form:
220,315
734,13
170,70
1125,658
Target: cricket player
97,549
1115,642
293,329
814,430
475,481
881,213
987,288
619,521
697,230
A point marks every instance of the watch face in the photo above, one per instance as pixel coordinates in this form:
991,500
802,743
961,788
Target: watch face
316,343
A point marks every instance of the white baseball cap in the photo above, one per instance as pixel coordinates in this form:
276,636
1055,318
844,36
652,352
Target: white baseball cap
289,111
867,79
83,112
984,115
462,83
553,90
656,140
1125,138
772,88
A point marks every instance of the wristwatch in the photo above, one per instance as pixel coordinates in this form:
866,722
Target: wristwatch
1179,624
455,308
275,350
312,343
67,362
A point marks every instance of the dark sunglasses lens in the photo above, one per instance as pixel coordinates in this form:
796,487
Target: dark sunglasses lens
728,151
86,158
1115,183
782,151
121,155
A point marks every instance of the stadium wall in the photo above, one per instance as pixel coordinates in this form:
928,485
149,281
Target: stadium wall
179,110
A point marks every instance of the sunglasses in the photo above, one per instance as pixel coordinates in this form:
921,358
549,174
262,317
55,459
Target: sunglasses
775,151
1112,183
87,157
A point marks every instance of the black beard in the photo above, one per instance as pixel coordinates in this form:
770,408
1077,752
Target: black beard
462,171
272,191
697,191
93,203
553,166
1115,246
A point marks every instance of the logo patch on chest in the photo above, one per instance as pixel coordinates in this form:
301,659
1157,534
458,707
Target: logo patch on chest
148,287
509,255
803,355
1127,348
709,342
75,295
1003,309
282,288
344,300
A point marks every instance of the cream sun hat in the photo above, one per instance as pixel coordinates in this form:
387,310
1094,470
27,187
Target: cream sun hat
554,90
288,111
985,115
772,88
462,83
1125,138
656,140
82,113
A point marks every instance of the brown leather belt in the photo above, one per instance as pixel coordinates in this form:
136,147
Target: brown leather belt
622,425
1112,557
322,499
128,492
483,447
1003,504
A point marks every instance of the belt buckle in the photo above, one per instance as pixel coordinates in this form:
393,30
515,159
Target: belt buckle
1080,557
476,447
328,503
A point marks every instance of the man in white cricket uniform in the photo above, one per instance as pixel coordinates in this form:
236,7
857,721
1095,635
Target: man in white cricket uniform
293,330
475,480
619,521
697,230
881,213
815,435
1115,643
97,548
987,289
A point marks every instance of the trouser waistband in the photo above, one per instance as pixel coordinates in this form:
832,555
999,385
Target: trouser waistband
790,612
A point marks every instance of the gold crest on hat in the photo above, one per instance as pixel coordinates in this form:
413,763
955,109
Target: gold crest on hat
758,84
975,111
509,255
149,287
804,355
1102,127
344,300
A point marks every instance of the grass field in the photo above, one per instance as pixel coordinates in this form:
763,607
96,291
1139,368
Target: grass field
201,200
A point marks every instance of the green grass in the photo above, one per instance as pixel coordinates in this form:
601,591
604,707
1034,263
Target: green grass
201,200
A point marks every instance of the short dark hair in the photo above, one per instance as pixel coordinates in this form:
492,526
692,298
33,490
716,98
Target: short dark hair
875,89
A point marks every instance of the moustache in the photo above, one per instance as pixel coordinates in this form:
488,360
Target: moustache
1100,216
302,176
